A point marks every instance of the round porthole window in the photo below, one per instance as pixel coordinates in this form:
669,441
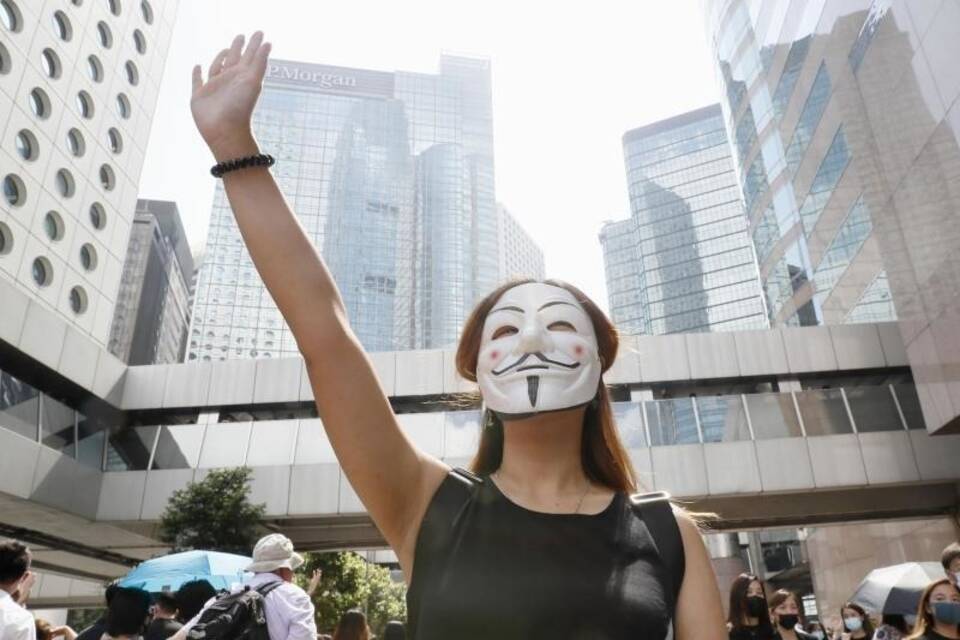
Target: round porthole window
78,300
42,271
27,146
53,225
98,216
14,191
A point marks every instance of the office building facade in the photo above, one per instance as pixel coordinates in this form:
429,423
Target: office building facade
683,260
519,254
152,314
846,123
78,87
391,175
789,87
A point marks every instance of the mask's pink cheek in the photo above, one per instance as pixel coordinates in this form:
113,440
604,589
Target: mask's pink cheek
578,350
494,355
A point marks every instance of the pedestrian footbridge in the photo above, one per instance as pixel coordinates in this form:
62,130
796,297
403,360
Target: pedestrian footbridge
763,428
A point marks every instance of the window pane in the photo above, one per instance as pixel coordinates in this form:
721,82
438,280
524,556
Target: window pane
671,422
722,419
873,409
773,416
57,430
823,412
630,424
19,406
910,405
90,437
129,449
178,447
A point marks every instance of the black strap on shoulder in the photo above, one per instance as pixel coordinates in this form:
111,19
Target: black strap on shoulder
452,496
264,589
436,531
656,512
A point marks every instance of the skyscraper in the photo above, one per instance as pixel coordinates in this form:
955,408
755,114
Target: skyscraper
845,119
520,256
391,175
152,314
683,260
78,87
796,117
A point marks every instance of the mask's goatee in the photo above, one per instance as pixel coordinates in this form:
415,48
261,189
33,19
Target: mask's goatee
533,388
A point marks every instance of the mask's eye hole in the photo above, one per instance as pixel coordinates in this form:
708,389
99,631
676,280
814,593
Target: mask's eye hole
505,330
561,325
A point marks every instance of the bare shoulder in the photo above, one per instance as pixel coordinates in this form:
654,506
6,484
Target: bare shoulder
688,524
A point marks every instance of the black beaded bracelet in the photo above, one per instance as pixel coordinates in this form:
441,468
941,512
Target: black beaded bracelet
260,160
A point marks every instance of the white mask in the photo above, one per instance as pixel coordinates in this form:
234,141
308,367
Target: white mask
538,352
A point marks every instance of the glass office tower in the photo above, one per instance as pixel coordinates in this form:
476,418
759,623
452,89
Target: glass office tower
391,176
683,260
789,73
846,121
152,313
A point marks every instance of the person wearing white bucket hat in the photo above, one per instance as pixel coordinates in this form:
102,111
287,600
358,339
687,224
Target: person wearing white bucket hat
274,552
289,610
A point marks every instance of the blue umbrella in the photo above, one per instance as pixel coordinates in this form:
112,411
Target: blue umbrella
167,573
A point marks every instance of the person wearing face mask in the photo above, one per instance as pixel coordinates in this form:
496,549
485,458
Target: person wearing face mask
545,537
938,614
749,615
785,614
950,559
856,623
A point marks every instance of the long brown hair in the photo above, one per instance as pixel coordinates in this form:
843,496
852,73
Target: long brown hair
352,626
602,455
925,621
737,612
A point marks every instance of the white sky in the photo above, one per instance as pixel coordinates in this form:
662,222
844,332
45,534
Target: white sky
569,78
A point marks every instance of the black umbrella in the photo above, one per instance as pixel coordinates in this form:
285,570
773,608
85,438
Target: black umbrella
896,589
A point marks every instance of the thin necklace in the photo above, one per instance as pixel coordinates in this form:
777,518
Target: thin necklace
586,490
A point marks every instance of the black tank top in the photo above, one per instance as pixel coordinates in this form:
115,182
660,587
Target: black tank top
485,567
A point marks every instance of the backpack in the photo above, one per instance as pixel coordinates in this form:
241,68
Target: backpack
235,616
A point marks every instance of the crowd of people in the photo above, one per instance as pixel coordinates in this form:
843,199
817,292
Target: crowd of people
135,614
753,615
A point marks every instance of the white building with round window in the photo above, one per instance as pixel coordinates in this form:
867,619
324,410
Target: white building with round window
79,81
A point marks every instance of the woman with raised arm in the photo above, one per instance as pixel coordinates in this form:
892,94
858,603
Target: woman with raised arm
547,539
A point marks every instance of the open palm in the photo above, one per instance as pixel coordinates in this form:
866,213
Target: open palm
223,105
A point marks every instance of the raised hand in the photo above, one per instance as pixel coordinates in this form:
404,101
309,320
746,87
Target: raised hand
222,106
314,581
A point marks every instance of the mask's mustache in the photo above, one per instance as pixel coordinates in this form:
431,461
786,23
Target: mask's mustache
543,358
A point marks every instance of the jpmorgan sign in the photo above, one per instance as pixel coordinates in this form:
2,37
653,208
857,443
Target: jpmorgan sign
331,79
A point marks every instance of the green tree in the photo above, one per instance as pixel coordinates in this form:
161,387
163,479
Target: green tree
214,514
350,582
